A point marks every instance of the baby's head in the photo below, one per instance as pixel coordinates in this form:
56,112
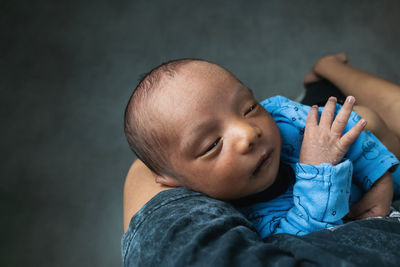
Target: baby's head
194,124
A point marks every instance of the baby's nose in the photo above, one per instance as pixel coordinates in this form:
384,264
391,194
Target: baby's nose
247,137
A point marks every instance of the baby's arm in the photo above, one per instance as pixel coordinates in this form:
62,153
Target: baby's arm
322,187
320,198
361,84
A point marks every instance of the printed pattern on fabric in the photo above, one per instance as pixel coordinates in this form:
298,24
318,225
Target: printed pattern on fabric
322,194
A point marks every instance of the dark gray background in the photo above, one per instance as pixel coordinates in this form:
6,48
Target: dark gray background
67,69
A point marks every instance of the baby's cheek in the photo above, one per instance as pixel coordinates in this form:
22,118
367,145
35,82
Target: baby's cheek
232,174
227,164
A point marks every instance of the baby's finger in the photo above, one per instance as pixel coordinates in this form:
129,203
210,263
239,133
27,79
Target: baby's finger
353,133
343,116
328,113
312,117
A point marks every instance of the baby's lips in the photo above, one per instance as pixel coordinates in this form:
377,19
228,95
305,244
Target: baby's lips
264,157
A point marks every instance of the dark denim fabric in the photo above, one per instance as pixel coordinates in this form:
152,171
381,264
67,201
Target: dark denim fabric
179,227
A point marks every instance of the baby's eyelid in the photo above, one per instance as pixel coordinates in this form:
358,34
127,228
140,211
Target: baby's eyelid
252,107
212,146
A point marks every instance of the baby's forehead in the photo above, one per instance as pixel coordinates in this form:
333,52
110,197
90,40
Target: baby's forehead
199,84
196,89
178,109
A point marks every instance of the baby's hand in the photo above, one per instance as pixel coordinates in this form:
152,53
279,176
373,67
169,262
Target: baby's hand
376,202
324,143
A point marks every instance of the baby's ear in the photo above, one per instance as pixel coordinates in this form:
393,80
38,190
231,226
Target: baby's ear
167,180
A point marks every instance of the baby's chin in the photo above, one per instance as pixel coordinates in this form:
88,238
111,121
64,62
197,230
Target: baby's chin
267,184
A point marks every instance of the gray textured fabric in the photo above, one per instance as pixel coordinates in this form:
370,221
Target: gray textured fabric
179,227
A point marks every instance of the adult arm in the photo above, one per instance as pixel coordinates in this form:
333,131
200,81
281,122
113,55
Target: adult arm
370,90
375,202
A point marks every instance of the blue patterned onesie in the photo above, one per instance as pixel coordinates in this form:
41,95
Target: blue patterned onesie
321,195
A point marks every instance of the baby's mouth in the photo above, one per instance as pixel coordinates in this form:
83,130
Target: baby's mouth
263,161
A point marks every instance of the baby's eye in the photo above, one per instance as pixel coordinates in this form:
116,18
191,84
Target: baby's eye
213,145
252,107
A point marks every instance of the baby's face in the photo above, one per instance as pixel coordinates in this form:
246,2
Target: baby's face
221,141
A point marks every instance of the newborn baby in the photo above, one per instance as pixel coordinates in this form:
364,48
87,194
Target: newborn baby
194,124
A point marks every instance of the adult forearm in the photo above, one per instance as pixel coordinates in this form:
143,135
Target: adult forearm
362,85
376,202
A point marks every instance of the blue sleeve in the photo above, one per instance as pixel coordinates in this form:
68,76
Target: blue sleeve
275,103
319,199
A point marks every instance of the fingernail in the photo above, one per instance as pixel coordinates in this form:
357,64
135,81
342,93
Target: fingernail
332,98
363,122
314,106
351,99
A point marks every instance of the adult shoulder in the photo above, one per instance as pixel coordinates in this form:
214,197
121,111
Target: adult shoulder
139,188
180,227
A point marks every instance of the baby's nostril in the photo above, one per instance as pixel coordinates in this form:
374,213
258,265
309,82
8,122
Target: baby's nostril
258,131
251,145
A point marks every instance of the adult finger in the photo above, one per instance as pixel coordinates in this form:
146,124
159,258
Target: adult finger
342,117
367,214
342,57
328,113
361,207
374,211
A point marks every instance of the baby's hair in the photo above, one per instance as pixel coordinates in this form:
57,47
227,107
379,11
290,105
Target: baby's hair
140,127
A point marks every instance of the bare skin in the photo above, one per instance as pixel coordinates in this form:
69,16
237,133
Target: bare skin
218,135
216,145
381,96
139,188
381,117
379,128
325,139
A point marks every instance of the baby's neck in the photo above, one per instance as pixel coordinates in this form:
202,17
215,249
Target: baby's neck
284,178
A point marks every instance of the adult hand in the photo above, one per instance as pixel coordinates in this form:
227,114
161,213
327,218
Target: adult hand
324,142
314,75
376,202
